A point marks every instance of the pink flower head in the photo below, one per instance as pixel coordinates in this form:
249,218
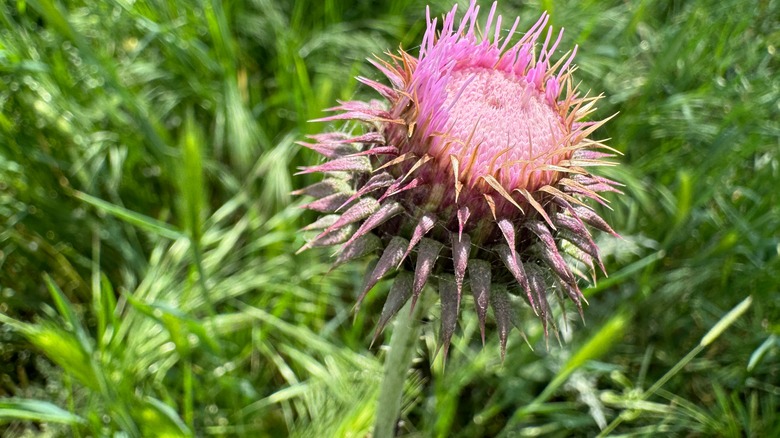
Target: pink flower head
472,173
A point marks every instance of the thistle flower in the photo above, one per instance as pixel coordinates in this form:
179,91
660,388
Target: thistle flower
473,173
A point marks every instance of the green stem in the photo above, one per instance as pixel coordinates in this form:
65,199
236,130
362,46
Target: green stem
189,411
397,363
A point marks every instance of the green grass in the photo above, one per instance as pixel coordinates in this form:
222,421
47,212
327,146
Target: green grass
148,282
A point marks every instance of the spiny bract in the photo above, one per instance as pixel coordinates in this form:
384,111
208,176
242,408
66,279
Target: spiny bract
473,171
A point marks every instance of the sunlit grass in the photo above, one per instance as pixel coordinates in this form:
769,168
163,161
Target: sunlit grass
148,282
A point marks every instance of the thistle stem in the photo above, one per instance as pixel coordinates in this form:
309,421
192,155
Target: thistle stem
397,363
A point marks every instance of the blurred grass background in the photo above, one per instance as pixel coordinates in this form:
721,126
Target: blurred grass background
147,277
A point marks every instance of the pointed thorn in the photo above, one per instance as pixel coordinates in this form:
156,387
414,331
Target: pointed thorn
480,278
515,267
460,258
491,204
427,254
397,160
535,204
324,188
499,301
360,247
330,239
386,212
424,225
539,288
592,218
456,176
450,307
493,182
328,204
357,212
389,259
549,251
399,294
463,216
321,223
346,164
376,182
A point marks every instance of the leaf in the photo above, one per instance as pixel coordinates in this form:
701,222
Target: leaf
726,321
36,410
161,420
141,221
